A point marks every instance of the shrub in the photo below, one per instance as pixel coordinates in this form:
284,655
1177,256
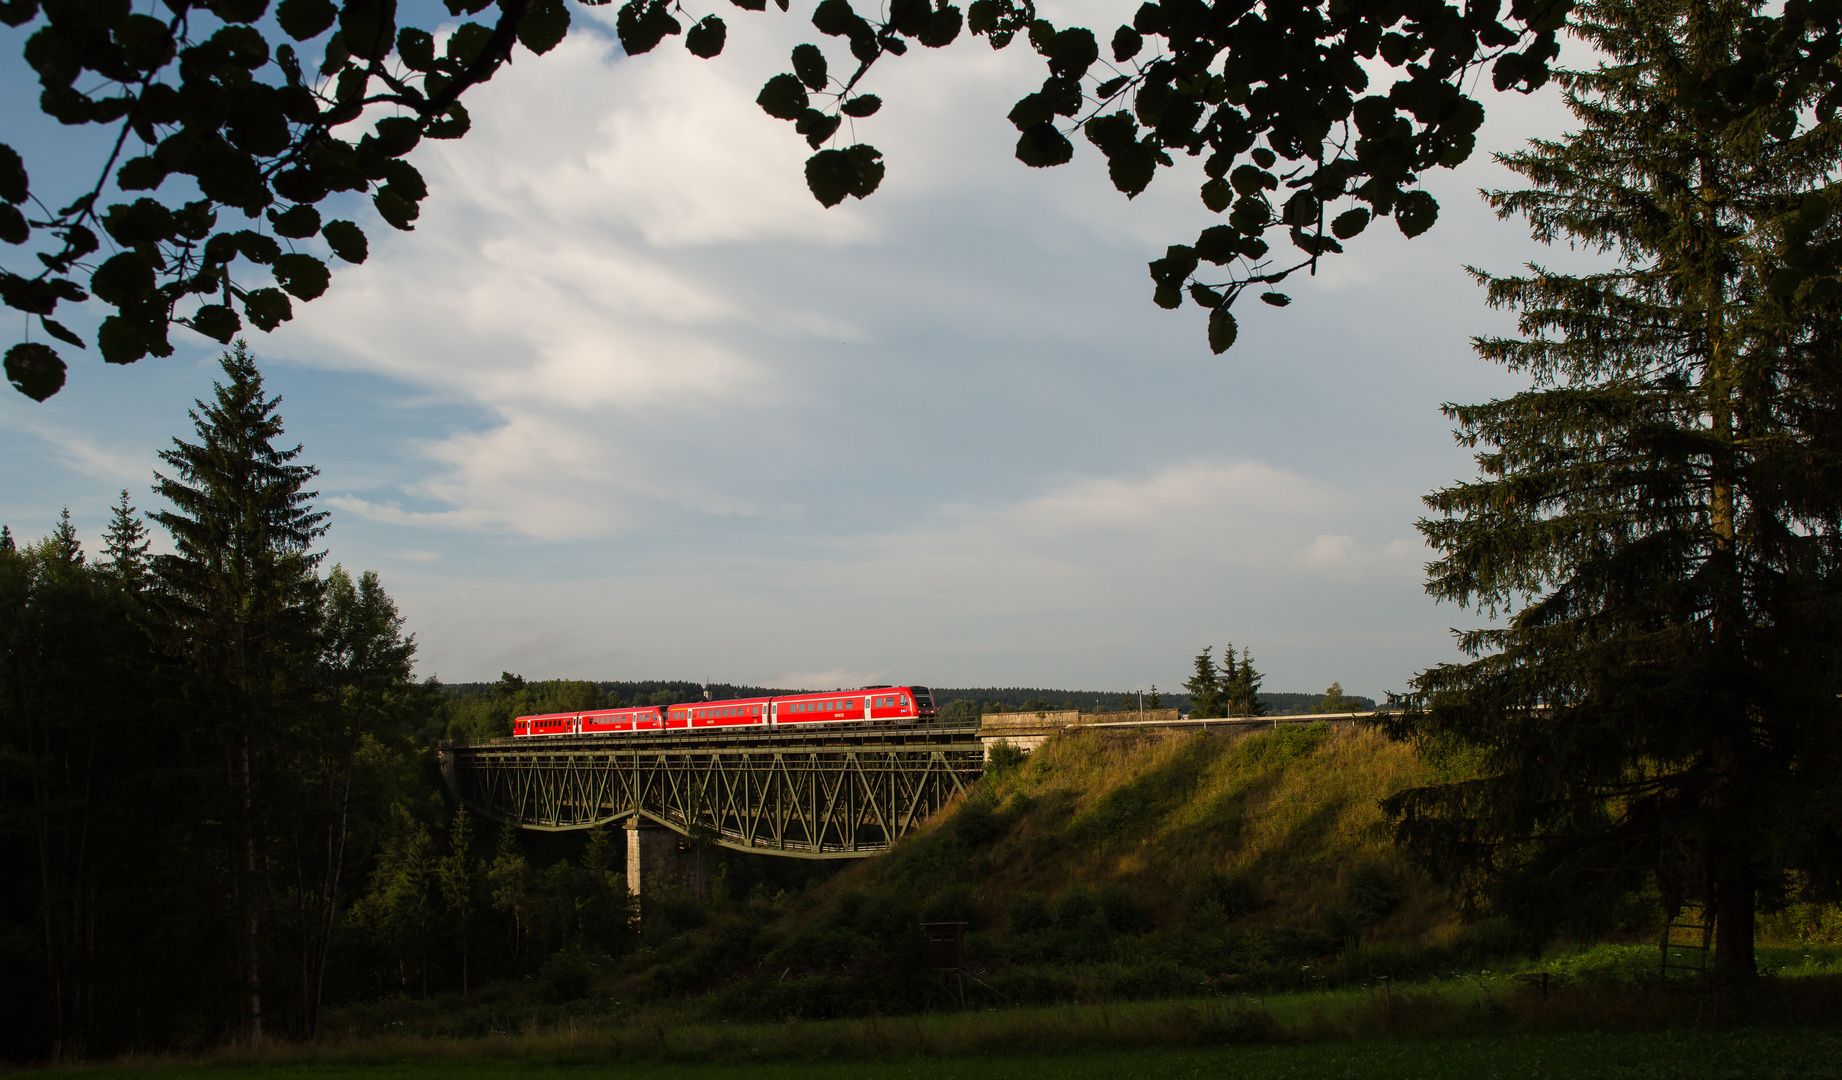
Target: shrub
1220,897
568,974
1075,907
1120,907
1371,890
1029,912
1003,758
977,824
951,904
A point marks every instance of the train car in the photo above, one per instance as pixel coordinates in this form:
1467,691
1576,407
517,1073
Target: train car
885,704
616,721
868,705
544,725
704,715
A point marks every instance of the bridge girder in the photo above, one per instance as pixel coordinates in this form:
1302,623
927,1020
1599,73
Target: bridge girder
807,796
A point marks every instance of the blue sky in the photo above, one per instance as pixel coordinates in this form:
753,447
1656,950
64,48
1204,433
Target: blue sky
629,404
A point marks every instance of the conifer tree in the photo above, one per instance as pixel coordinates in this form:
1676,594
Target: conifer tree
65,547
1226,678
126,545
1657,516
1243,687
1204,692
238,604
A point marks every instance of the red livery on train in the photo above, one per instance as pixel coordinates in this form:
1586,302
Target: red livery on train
869,705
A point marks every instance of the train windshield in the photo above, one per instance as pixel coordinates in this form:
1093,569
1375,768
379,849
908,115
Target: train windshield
923,697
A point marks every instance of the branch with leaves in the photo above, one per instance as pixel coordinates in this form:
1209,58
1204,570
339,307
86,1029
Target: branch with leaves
214,111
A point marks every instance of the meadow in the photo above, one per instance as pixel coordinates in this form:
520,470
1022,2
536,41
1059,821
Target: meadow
1601,1014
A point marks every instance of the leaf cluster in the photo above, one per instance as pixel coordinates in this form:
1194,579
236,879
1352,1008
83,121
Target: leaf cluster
217,112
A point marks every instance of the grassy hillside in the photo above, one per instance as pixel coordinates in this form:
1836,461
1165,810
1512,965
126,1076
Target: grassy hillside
1107,865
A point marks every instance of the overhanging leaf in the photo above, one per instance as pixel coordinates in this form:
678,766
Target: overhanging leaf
346,239
1349,223
13,185
809,65
1222,330
216,322
1042,146
302,275
783,97
544,25
303,20
34,369
268,308
816,127
58,330
1415,213
706,38
119,341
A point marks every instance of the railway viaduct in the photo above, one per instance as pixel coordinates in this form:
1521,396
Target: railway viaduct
839,793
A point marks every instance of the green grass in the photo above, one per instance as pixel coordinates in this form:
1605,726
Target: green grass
1754,1054
1481,1024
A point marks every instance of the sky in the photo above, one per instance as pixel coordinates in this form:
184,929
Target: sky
629,404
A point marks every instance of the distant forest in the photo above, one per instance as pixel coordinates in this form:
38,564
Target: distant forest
978,698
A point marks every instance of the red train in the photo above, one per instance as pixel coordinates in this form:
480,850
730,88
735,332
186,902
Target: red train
871,704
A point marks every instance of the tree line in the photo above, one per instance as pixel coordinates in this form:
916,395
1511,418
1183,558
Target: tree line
217,807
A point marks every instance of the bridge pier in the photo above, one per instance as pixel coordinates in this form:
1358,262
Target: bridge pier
659,861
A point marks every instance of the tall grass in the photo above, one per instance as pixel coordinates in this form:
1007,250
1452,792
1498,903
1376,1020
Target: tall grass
1483,1005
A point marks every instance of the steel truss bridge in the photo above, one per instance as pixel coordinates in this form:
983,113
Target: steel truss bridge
837,794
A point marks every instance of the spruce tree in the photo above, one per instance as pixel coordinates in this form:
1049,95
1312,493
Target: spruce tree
1654,529
1203,690
238,603
126,545
1243,687
65,547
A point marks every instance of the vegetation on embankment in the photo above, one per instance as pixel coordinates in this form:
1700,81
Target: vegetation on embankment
1109,866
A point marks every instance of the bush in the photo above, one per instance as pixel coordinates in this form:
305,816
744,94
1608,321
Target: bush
567,974
1371,890
1075,908
1219,897
1120,907
1003,758
951,904
1029,912
977,824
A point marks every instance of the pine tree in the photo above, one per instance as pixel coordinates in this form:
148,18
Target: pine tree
126,545
509,879
238,604
1203,690
1244,688
1153,699
460,873
1657,515
64,545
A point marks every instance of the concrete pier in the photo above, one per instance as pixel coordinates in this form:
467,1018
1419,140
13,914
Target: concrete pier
661,861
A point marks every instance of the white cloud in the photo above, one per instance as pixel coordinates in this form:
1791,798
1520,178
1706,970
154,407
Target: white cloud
629,403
